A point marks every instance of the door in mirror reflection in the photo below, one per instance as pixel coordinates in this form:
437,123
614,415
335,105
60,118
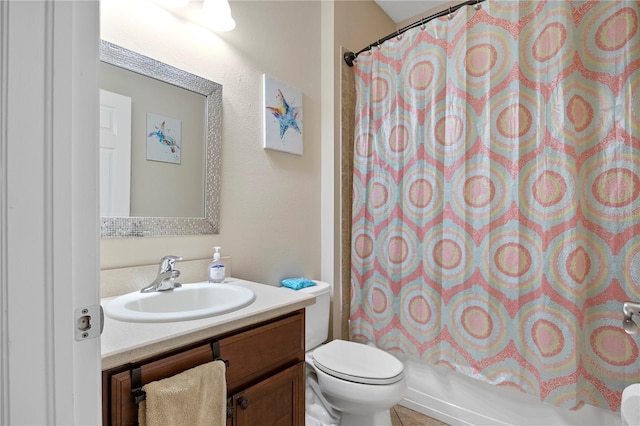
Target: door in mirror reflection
115,154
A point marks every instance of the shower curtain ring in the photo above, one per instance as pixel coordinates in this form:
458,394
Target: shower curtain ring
422,25
379,44
477,5
450,16
399,36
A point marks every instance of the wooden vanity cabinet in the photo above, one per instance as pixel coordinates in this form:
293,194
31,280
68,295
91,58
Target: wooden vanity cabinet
278,400
265,374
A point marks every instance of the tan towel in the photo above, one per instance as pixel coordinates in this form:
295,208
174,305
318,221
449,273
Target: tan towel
194,397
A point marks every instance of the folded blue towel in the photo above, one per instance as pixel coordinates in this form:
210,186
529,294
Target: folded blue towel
296,283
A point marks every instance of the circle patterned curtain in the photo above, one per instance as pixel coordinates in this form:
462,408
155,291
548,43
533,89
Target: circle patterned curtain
496,207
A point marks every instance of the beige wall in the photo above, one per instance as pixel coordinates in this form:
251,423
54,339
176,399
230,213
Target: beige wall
426,14
358,24
272,202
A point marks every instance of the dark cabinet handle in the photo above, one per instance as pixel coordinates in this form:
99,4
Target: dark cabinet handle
244,403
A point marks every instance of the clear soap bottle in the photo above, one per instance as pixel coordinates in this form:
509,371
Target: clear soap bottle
216,268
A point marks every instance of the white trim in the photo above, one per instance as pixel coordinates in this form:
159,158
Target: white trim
4,282
29,375
76,204
330,244
48,237
49,223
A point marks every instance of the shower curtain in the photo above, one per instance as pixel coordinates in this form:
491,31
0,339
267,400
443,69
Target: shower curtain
496,196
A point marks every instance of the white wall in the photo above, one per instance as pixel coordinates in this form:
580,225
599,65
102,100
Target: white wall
270,215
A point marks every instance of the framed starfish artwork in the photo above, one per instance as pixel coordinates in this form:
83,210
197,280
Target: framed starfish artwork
282,114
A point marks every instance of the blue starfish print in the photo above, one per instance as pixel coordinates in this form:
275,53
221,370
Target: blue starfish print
164,138
287,115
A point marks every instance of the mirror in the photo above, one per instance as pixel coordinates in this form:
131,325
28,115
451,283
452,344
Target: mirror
207,170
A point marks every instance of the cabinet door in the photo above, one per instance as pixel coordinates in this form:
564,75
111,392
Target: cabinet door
276,401
122,409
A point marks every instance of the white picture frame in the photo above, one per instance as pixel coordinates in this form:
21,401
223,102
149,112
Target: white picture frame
283,120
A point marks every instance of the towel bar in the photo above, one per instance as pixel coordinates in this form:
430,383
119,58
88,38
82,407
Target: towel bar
215,348
139,394
136,385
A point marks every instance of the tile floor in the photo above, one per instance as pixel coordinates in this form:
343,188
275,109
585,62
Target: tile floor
402,416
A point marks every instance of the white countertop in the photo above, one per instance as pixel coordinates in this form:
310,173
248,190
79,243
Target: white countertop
125,342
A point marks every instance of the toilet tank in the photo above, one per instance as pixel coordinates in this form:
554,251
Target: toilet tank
317,315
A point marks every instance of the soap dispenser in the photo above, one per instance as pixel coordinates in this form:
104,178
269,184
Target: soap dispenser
216,268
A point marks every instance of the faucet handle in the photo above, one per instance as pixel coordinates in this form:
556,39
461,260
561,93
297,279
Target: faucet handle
629,309
168,263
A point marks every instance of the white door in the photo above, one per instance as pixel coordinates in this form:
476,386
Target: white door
115,154
49,217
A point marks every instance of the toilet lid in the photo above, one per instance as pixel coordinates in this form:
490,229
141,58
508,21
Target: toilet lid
358,363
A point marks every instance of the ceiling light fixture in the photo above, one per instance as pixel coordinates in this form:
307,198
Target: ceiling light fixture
216,15
172,4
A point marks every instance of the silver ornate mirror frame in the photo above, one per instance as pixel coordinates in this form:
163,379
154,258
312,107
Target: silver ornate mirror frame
124,227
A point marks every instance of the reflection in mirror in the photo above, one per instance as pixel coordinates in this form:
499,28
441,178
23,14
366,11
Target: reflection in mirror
170,181
163,139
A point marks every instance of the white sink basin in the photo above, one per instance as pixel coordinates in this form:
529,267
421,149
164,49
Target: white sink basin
630,405
191,301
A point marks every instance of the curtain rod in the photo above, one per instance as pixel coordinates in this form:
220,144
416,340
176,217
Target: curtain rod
349,57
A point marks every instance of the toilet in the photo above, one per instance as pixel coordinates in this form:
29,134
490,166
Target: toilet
347,383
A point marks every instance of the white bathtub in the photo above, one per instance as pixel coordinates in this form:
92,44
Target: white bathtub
460,400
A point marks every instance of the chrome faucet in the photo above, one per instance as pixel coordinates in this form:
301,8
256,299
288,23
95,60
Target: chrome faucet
629,309
166,276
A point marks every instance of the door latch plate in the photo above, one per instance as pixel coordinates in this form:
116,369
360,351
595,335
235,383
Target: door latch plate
89,321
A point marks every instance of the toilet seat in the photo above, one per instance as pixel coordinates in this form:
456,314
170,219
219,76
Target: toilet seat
357,363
